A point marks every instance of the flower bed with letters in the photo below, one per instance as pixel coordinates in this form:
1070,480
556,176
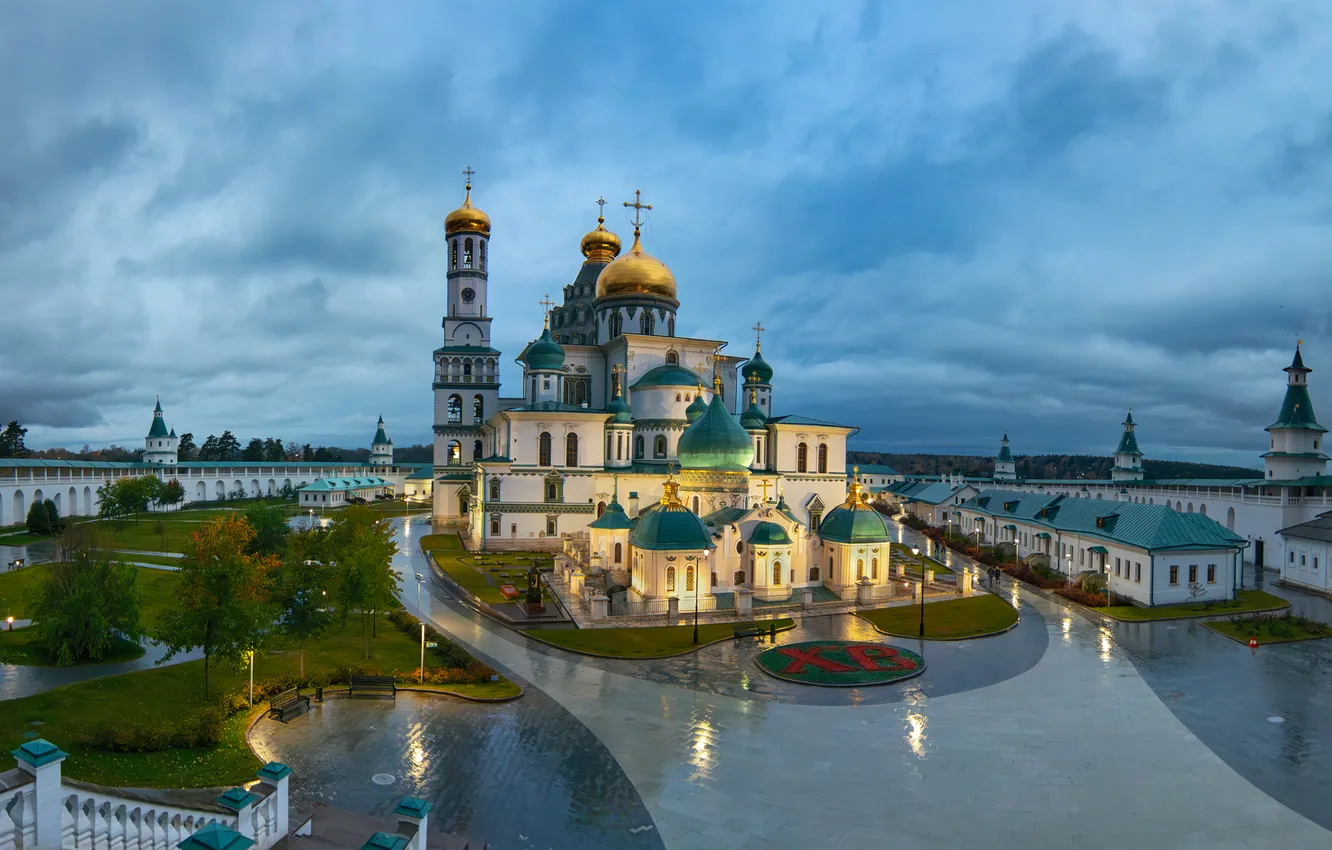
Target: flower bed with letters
840,663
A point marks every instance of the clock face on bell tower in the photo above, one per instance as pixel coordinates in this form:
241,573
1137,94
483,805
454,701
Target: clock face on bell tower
468,294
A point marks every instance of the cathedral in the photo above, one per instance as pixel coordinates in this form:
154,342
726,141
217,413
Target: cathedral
652,447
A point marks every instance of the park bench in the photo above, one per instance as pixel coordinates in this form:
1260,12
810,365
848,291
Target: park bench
382,685
756,629
289,703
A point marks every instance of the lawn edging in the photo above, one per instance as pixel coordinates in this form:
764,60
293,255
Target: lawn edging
1002,631
689,651
1203,616
1265,641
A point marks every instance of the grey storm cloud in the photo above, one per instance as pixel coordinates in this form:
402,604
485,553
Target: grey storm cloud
952,221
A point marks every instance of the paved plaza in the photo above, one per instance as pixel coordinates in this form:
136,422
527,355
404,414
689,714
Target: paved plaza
1062,733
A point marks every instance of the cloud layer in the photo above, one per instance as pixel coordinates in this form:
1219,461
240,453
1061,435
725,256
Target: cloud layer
954,220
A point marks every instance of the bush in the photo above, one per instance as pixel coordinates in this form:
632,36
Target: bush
1082,597
447,653
43,518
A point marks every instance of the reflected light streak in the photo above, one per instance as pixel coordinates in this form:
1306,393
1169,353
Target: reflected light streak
1105,645
916,736
1067,626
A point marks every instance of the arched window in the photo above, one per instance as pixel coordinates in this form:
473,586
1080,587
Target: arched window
467,253
455,409
467,368
694,504
532,397
616,324
672,358
823,457
478,406
645,322
494,490
1190,508
638,446
670,579
552,491
494,526
670,326
860,568
677,396
453,255
776,572
619,552
802,458
874,568
571,450
543,449
476,450
455,453
689,578
601,509
813,573
659,446
483,254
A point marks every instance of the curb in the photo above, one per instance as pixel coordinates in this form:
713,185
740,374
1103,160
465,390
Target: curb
1002,631
1244,642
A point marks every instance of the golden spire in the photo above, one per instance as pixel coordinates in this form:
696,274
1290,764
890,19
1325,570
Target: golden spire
670,490
758,336
753,396
853,495
716,383
617,378
546,304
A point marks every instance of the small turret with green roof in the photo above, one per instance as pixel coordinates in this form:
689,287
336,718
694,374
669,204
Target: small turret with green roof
1128,457
1296,449
160,445
1005,468
381,447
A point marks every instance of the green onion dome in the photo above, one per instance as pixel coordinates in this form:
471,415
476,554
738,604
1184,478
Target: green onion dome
757,369
667,375
670,526
545,353
613,519
753,419
696,408
620,410
769,534
715,441
853,521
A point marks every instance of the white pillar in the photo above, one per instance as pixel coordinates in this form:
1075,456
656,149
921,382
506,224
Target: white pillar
276,774
600,607
413,814
864,592
42,760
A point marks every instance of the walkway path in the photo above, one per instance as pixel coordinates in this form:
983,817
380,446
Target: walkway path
1077,748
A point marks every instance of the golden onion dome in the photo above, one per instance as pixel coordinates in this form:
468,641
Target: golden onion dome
600,245
467,218
636,273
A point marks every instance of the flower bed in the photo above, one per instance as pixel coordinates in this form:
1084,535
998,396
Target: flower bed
840,663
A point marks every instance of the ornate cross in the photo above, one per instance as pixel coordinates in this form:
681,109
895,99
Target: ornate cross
468,172
601,209
638,206
764,484
617,375
758,331
546,303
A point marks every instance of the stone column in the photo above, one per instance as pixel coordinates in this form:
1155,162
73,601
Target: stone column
964,582
929,576
672,608
864,592
744,601
576,582
413,814
241,803
916,588
600,606
807,597
275,773
897,571
42,760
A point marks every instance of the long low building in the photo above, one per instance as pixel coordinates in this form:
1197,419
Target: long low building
73,484
1151,554
336,492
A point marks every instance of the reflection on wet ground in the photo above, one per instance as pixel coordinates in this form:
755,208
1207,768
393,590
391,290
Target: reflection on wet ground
18,682
511,774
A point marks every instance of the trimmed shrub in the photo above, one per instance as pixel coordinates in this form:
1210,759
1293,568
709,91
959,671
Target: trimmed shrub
1082,597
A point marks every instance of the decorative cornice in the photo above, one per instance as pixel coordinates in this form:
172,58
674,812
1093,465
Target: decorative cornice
537,508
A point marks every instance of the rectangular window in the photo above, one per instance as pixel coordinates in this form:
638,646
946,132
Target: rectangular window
1116,566
1137,571
1292,559
1193,573
1174,573
1082,557
1211,573
1315,563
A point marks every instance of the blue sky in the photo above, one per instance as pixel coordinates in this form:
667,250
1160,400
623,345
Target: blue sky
954,218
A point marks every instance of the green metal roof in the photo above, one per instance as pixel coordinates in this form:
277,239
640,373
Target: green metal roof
1297,411
380,437
1128,443
159,428
468,349
544,353
346,484
856,524
620,410
1005,456
556,407
613,519
715,441
757,369
666,375
791,419
671,528
696,408
769,534
874,469
724,516
215,836
753,418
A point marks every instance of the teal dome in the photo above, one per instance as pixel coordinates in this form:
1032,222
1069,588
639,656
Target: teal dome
715,441
620,410
769,534
667,375
613,519
757,369
853,521
753,418
670,527
545,353
696,408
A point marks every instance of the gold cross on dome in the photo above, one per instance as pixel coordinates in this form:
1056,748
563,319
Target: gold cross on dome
468,172
638,206
758,334
617,376
546,303
601,208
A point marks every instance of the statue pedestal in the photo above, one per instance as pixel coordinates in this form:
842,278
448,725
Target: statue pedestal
600,606
896,571
807,598
916,588
744,600
864,592
929,576
673,608
964,582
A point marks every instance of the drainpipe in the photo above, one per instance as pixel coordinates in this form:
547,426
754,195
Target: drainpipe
1151,579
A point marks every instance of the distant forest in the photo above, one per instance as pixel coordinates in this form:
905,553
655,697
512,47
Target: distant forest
1045,466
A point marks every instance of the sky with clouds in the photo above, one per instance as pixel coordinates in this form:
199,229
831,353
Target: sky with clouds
954,218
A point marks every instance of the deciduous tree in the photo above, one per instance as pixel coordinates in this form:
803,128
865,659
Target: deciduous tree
173,493
362,547
270,529
85,598
224,604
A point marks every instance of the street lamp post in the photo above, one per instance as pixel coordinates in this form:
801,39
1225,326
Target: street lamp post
915,551
419,615
252,678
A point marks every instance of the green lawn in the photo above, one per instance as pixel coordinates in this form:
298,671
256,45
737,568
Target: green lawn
22,538
953,619
904,550
170,697
1271,631
652,642
479,575
140,535
1248,602
21,647
157,588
